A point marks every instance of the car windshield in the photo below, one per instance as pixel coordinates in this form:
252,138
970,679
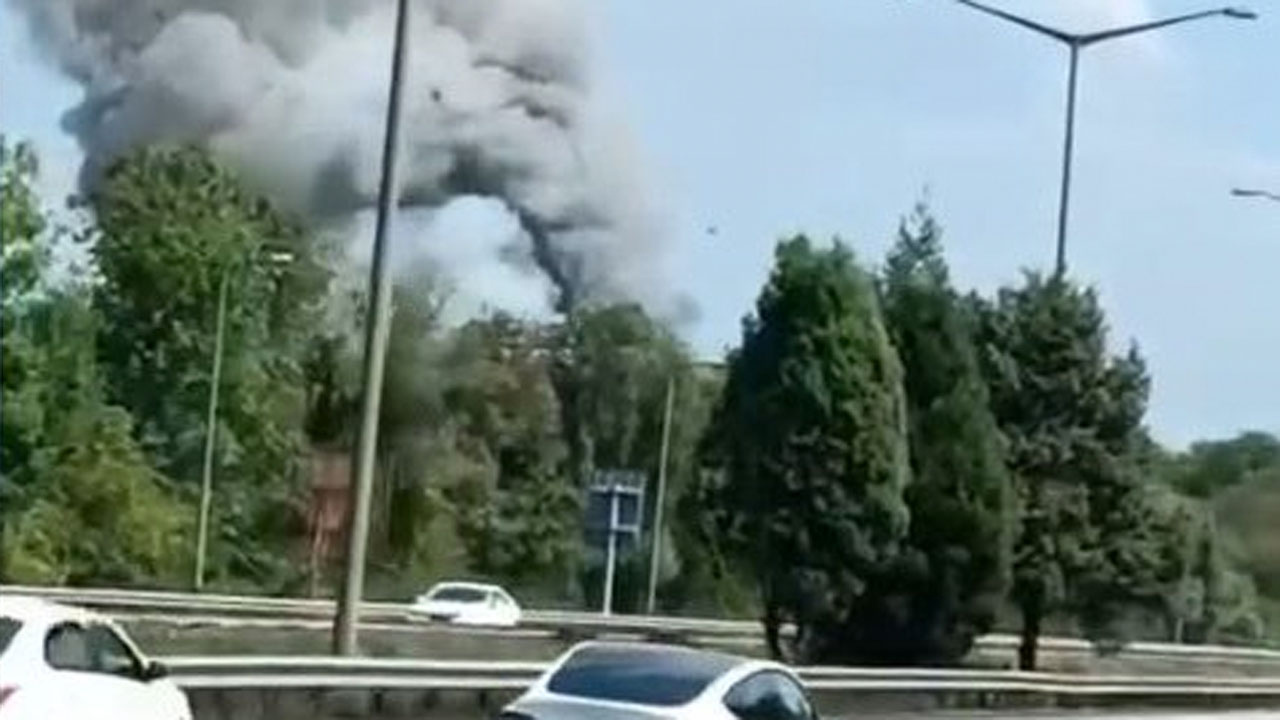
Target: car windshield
8,629
646,676
458,594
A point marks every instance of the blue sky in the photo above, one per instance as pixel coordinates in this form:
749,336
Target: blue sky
768,117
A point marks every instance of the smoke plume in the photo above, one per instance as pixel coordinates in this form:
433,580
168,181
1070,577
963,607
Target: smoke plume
293,92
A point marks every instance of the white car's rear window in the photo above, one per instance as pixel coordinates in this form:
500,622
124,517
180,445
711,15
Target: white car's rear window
8,630
658,676
459,594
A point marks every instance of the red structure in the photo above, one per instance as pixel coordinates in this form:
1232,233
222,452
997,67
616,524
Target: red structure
328,508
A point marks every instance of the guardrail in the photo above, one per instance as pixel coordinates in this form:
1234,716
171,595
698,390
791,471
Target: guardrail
346,673
317,688
184,603
148,603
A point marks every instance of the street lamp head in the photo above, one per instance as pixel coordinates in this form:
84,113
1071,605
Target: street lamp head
1240,13
1253,193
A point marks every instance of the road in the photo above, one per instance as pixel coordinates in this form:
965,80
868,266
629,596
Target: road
1069,715
1078,715
986,715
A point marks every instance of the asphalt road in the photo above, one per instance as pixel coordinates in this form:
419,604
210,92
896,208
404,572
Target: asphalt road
1021,715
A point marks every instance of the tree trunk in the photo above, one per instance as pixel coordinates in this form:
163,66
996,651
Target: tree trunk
772,630
1032,614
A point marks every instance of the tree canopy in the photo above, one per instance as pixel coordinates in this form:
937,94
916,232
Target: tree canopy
887,465
811,436
947,585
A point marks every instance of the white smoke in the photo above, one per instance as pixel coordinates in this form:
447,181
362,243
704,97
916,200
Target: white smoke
293,92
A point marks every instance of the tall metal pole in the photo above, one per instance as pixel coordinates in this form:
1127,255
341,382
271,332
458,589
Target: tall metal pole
211,432
375,352
655,561
1064,203
611,554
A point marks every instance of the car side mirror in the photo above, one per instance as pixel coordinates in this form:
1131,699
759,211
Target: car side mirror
154,670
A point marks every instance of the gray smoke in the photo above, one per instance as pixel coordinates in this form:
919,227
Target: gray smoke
293,92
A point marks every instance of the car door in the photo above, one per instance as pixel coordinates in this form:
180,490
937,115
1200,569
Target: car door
492,613
508,612
769,695
74,686
122,672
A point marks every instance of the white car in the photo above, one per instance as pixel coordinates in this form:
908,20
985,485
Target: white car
626,681
63,662
469,604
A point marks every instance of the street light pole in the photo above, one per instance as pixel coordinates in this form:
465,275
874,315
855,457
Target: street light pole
377,329
655,559
1076,42
1068,144
211,419
211,431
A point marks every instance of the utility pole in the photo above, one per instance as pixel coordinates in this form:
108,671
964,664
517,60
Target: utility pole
377,328
211,432
655,560
277,258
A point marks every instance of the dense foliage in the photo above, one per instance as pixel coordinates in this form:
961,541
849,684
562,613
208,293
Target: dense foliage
946,586
1072,414
811,439
885,465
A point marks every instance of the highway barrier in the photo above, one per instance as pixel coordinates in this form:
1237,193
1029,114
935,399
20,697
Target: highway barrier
231,609
284,688
132,601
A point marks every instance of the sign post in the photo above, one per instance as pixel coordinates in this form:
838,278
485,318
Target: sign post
615,507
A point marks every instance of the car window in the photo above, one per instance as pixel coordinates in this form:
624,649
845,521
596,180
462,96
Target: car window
769,696
660,677
458,594
8,630
67,648
109,654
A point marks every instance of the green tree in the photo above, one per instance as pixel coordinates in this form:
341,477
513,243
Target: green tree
413,414
516,511
612,366
811,437
95,511
85,505
1072,415
24,252
173,226
947,586
1212,467
24,226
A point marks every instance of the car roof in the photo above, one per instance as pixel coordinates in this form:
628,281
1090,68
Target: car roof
710,661
465,586
38,610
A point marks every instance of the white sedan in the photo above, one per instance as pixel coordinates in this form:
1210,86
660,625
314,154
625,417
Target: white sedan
625,681
463,603
62,662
